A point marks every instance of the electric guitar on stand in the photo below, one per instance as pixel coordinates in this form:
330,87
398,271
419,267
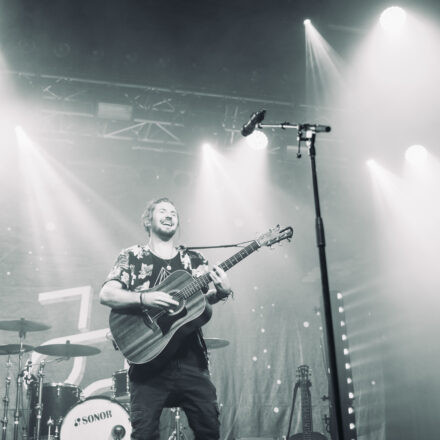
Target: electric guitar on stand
152,337
303,375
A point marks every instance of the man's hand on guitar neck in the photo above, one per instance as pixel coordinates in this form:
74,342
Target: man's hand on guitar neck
221,283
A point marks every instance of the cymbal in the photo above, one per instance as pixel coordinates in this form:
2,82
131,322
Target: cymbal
14,348
67,350
23,325
213,343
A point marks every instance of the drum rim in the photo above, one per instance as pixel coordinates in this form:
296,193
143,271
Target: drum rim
96,397
61,384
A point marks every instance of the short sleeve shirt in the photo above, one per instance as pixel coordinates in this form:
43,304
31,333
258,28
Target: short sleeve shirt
138,267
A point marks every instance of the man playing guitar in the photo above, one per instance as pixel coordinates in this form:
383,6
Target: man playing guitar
184,380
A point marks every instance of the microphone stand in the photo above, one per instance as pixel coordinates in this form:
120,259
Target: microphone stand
307,134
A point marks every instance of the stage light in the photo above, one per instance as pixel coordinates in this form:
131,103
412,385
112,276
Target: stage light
393,19
370,163
257,140
416,154
307,21
206,147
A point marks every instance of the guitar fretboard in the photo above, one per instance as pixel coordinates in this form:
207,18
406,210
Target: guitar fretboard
203,281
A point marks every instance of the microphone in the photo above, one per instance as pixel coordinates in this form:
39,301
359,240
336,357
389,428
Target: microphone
255,119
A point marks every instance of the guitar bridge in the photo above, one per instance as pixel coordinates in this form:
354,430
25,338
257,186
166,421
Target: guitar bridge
148,321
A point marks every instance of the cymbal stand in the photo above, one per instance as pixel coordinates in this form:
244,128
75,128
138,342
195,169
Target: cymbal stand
39,406
177,434
18,394
6,398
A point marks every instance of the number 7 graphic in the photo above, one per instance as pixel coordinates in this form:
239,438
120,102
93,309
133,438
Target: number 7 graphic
85,295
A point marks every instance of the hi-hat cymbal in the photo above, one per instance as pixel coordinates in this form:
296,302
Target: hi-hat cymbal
213,343
67,350
23,326
14,348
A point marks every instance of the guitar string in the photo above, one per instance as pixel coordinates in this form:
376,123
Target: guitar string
189,290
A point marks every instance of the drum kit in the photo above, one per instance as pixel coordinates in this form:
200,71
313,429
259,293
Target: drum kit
57,410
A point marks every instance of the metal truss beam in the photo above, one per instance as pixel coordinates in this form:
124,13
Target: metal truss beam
164,116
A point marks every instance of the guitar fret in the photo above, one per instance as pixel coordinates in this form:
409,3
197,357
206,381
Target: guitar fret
204,280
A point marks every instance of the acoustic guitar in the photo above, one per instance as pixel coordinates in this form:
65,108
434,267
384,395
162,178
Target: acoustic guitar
303,375
152,337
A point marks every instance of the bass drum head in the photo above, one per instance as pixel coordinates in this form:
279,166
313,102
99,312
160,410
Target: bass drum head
96,418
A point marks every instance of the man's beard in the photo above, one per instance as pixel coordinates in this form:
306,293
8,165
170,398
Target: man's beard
164,235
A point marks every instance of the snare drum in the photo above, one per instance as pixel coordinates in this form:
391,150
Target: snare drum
57,399
96,418
121,389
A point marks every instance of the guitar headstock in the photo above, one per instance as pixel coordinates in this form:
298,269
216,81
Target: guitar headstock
303,374
275,235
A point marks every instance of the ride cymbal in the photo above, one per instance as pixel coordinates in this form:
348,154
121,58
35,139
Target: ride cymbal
14,348
67,350
23,326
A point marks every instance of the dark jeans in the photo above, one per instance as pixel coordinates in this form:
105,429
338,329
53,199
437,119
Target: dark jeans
186,386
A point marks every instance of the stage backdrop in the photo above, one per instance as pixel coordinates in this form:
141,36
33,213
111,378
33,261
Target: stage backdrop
75,207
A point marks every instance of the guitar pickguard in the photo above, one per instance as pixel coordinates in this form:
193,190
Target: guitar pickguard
166,321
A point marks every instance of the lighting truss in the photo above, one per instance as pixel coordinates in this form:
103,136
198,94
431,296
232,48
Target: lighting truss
67,107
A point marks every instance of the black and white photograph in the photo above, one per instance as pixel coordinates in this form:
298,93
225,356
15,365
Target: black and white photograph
220,220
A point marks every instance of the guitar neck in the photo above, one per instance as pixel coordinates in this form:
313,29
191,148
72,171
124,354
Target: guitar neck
204,280
306,412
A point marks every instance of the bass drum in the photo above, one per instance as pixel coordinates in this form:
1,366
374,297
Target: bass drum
96,418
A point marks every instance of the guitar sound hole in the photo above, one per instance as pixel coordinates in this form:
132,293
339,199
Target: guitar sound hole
175,310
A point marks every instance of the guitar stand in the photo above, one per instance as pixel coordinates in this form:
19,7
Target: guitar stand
178,433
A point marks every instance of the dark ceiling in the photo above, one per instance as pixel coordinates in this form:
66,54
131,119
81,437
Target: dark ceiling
241,47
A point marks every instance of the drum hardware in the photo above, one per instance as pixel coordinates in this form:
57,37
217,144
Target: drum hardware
54,399
6,398
39,407
121,387
178,433
118,432
22,326
49,403
50,423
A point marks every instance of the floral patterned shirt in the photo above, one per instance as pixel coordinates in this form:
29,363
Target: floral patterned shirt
137,266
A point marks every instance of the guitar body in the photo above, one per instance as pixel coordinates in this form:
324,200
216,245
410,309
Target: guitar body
153,337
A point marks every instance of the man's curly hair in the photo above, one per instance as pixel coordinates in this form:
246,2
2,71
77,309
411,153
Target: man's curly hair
147,215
